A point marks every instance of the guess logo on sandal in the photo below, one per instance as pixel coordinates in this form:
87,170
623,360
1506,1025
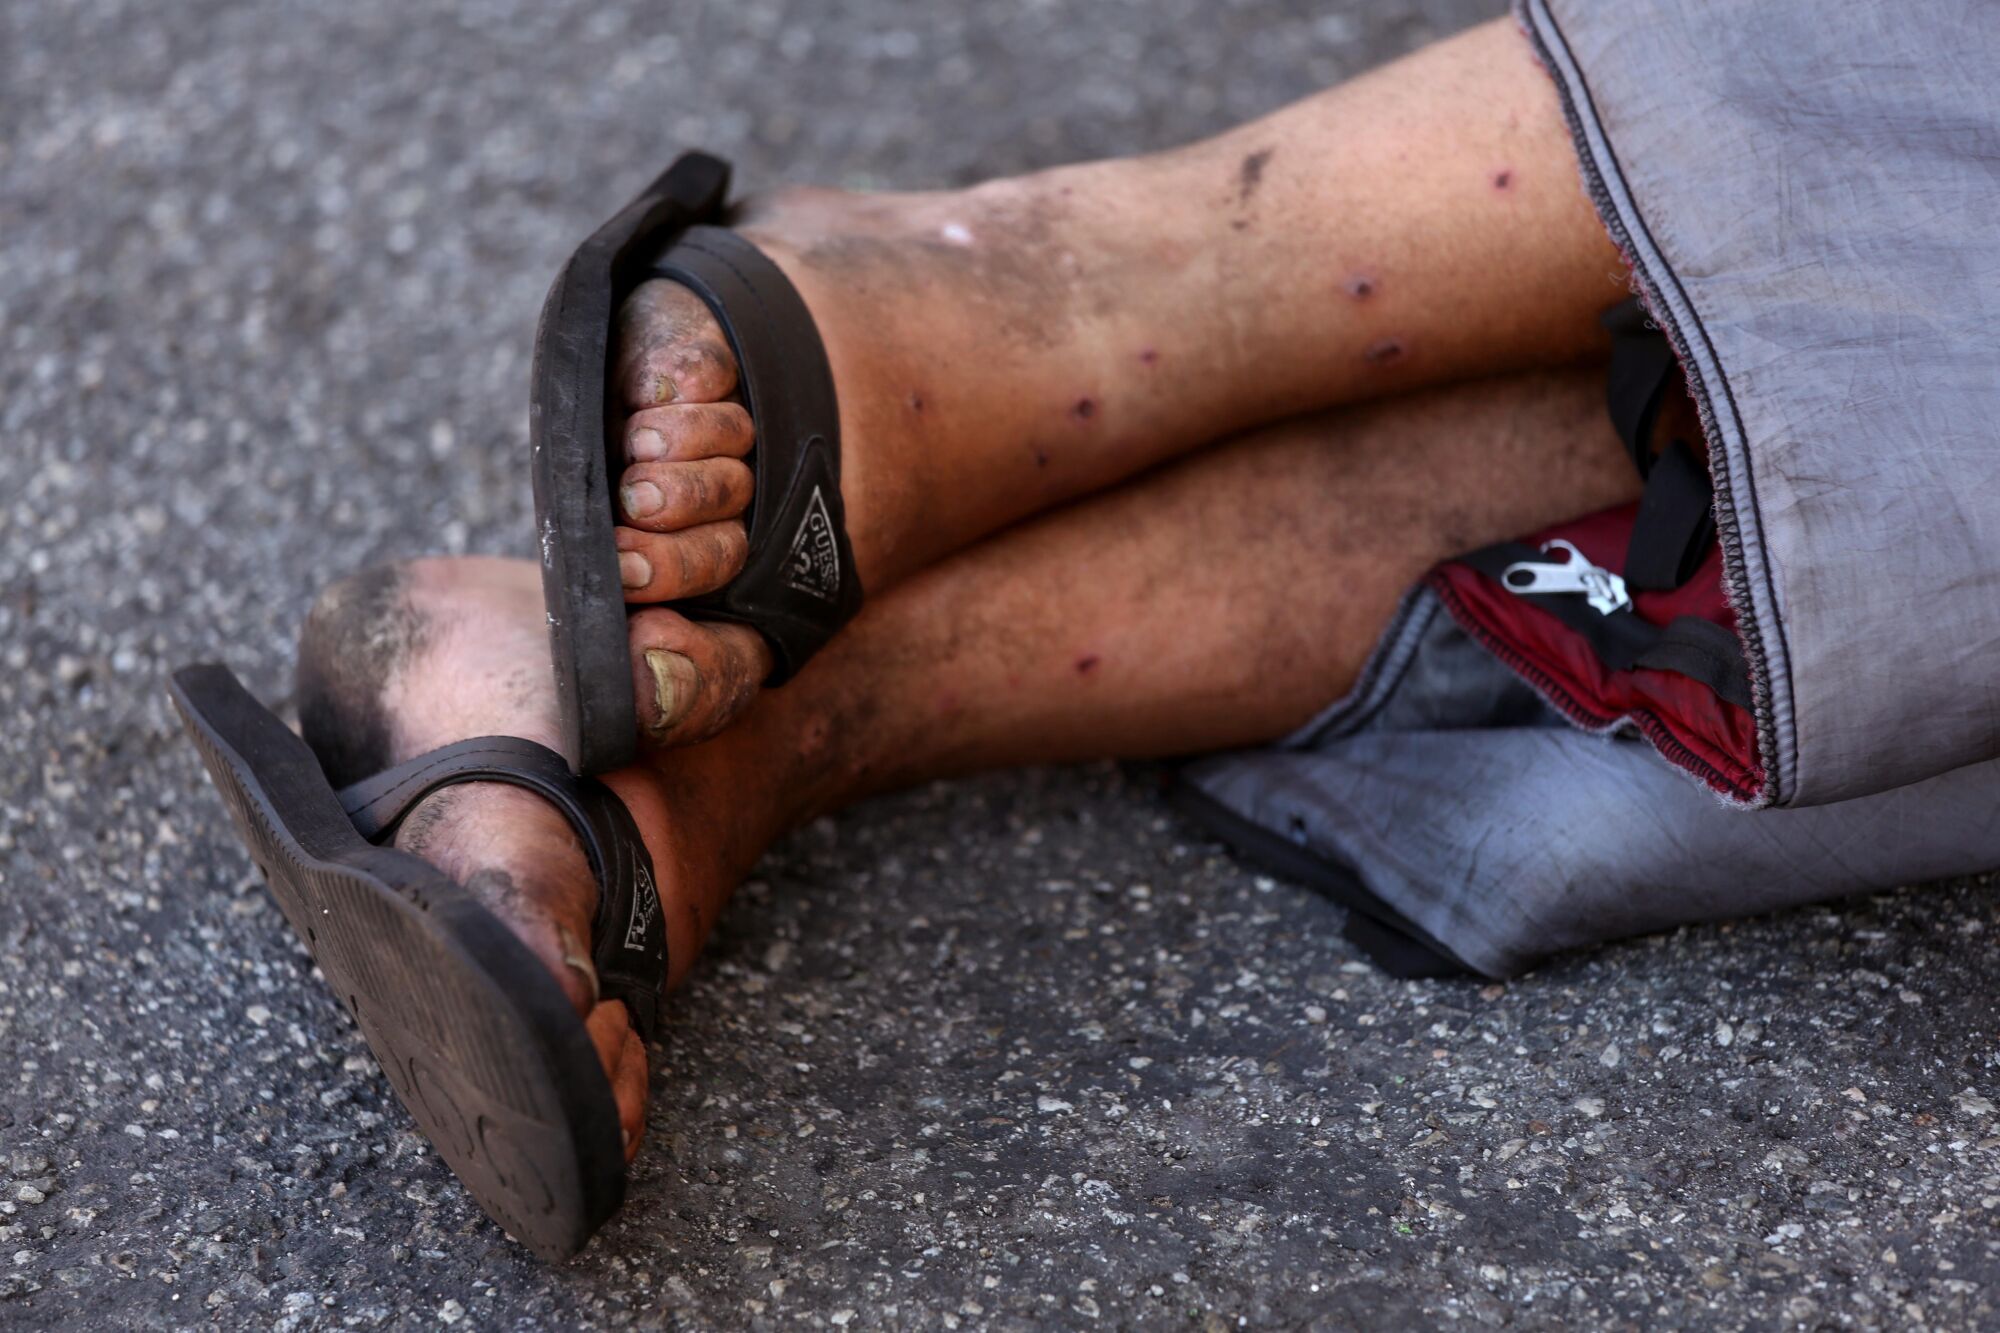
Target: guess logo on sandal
645,906
813,565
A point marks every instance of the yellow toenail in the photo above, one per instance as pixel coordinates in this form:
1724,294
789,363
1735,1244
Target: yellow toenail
634,570
641,499
675,684
576,956
665,390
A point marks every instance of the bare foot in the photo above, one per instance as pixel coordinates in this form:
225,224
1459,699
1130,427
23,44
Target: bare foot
399,660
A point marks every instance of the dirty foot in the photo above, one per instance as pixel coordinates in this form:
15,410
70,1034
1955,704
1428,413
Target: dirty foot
996,351
399,660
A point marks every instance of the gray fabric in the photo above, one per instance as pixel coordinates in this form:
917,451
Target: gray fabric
1810,196
1809,193
1470,807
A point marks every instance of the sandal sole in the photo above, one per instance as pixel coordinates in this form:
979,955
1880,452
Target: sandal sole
476,1037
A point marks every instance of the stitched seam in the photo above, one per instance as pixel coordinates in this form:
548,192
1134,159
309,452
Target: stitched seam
1729,522
1737,787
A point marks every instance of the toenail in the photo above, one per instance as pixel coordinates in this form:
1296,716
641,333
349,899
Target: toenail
675,682
641,498
634,570
648,444
576,956
665,390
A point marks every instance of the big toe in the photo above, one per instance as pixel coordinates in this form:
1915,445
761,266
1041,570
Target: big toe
692,679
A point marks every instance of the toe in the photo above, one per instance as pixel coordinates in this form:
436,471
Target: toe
685,431
670,349
667,566
624,1059
664,497
692,679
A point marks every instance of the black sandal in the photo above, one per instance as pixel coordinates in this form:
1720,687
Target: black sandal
799,585
475,1034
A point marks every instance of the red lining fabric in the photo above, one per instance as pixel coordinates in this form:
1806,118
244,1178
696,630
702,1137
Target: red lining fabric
1709,737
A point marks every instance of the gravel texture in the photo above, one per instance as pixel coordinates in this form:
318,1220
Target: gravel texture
1017,1052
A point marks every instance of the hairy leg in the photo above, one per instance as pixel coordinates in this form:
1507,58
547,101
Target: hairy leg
1217,603
1008,348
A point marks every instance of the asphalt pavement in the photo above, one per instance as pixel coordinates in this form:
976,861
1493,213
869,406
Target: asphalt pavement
1017,1052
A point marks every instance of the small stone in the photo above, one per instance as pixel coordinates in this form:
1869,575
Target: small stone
1610,1058
1971,1103
1315,1014
451,1312
258,1014
840,1318
1725,1034
28,1164
1590,1106
1052,1105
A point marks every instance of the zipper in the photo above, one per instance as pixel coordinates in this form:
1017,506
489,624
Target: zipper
1742,788
1543,32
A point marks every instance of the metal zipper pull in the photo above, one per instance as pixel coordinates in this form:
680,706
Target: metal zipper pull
1604,589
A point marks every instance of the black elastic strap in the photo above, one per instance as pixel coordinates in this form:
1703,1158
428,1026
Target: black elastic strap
798,585
1688,646
1676,521
1702,650
1642,365
628,937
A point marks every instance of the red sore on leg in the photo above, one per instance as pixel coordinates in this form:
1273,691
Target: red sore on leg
1087,664
1382,351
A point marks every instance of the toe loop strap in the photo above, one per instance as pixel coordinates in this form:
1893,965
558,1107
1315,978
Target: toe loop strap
628,937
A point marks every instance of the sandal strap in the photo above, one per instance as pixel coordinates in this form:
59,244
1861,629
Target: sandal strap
798,585
628,936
